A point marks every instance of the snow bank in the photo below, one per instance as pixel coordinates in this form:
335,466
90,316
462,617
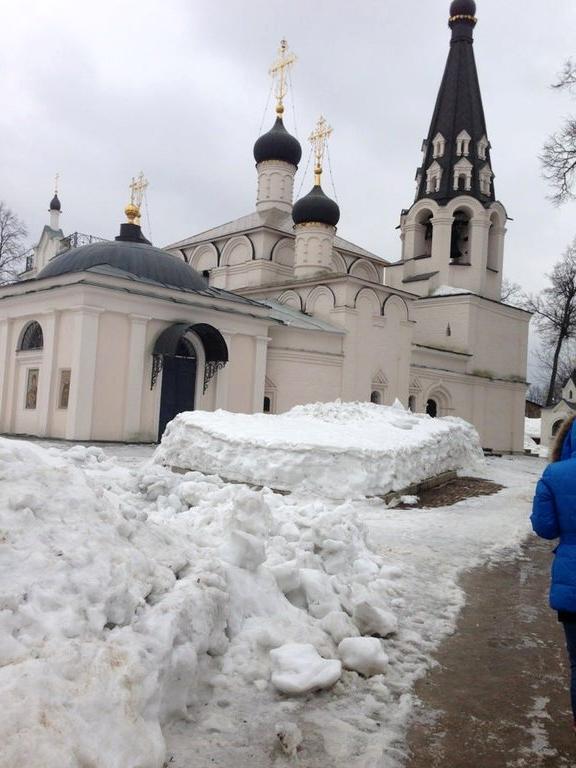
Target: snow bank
338,450
129,598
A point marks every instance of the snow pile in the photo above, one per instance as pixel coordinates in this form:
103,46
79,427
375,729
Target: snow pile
533,428
338,450
131,598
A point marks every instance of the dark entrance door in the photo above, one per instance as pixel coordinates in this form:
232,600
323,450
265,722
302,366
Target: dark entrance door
178,385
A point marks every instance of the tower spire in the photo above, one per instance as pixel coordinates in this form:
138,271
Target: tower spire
457,151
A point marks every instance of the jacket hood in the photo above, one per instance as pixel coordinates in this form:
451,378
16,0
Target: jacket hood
569,445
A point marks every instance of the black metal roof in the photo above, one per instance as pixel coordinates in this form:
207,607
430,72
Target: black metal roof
278,144
55,204
458,108
316,207
130,253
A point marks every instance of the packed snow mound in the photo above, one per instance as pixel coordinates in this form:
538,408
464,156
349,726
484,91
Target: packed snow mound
339,450
364,655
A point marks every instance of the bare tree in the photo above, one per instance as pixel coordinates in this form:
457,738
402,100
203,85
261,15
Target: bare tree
566,364
559,152
537,394
12,247
511,293
554,311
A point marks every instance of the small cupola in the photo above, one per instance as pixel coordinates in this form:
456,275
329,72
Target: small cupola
316,207
55,204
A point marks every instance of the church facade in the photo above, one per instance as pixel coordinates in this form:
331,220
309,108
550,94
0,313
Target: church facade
109,340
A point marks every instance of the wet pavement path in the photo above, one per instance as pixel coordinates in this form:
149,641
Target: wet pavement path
499,695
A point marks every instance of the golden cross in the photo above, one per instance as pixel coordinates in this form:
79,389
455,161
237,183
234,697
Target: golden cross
137,189
56,180
318,139
279,70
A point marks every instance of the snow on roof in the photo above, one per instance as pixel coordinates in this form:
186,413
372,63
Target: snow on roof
340,450
449,290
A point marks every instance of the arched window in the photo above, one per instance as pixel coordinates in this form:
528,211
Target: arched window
570,395
486,177
482,147
463,143
32,338
376,397
460,245
438,146
432,408
412,403
433,177
267,405
556,427
424,234
492,261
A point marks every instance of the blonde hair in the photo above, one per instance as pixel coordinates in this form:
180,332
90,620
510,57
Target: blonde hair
559,441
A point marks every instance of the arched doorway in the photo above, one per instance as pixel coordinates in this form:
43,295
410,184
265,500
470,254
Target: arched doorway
432,408
556,427
178,357
178,384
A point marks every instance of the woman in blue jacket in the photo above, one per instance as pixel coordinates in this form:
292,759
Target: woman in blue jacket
554,517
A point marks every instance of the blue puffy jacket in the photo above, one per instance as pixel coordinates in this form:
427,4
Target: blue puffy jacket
554,517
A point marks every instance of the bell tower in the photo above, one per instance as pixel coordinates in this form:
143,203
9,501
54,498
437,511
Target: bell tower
453,235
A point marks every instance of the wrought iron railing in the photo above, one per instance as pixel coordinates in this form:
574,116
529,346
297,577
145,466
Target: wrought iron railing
76,239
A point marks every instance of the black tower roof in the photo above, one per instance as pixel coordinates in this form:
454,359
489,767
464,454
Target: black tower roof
458,108
278,144
316,207
55,204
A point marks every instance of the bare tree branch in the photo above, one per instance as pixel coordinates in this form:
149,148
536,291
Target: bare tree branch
12,247
558,156
554,311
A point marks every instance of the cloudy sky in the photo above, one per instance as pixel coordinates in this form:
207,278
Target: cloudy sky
99,91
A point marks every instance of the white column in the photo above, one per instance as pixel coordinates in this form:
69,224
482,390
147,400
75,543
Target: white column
48,372
260,359
441,242
4,368
135,377
223,376
83,373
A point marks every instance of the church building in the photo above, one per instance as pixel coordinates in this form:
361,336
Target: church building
108,340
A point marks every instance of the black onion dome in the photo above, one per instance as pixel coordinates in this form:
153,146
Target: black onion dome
55,204
463,8
132,254
316,207
278,144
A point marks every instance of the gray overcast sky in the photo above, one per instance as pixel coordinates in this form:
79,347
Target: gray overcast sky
99,91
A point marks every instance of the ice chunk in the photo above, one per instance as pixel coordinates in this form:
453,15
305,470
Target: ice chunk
339,625
363,655
299,668
374,621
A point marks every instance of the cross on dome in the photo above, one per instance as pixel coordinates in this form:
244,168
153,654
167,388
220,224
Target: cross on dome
137,189
318,138
279,71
